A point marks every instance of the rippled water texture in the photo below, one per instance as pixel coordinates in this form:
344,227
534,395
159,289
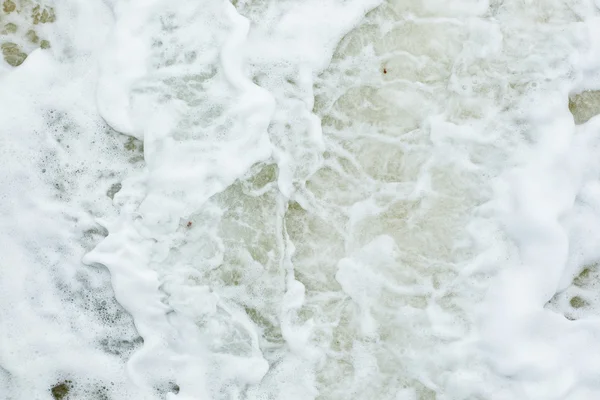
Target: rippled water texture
299,200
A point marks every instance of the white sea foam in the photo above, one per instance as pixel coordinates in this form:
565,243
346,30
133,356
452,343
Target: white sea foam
300,200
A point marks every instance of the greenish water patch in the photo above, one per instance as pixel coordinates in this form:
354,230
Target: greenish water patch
61,390
577,302
121,347
135,146
580,299
114,189
267,174
43,15
9,28
13,54
271,331
23,15
583,277
8,6
584,105
32,36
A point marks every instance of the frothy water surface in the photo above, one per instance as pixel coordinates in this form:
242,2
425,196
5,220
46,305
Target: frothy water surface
299,200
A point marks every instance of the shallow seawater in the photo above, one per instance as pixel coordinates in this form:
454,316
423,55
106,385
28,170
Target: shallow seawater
299,200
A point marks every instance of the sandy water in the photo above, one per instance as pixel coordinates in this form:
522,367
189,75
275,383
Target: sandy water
299,200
